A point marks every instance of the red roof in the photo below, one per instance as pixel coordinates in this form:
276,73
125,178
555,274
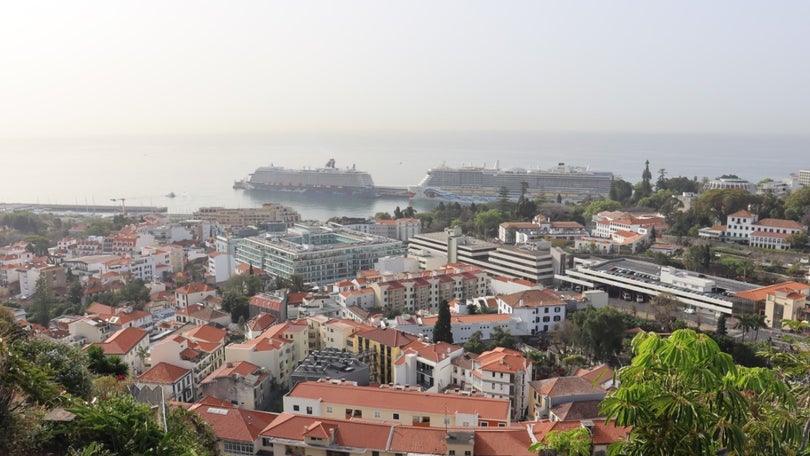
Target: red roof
123,341
195,287
232,423
163,373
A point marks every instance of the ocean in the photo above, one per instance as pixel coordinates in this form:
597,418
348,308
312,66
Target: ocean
201,169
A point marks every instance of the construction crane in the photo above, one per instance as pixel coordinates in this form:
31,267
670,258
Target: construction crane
123,205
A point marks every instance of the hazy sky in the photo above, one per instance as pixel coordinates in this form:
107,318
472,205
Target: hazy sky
141,67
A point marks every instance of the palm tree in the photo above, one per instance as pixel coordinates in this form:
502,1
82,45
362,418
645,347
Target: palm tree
748,321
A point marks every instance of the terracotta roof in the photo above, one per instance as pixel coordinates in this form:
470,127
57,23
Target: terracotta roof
499,442
163,373
532,298
266,302
467,319
742,213
123,341
243,368
599,374
195,287
766,234
433,352
603,433
232,423
779,223
580,410
348,433
759,294
414,440
261,322
564,386
502,360
388,337
206,333
387,398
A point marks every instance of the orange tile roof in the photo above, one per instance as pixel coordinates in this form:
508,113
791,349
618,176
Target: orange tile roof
502,360
759,294
195,287
163,373
741,213
564,386
388,337
414,440
243,368
123,341
232,423
464,319
348,433
780,223
207,333
261,322
599,374
766,234
499,442
386,398
603,433
532,298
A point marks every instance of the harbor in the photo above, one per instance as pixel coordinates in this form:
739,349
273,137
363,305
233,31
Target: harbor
82,208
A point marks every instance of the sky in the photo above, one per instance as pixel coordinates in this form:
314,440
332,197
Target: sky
86,68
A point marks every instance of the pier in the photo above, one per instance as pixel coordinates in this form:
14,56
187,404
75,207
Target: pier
82,208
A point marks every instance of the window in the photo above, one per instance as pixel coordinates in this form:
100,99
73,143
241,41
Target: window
396,416
376,414
238,447
296,408
309,410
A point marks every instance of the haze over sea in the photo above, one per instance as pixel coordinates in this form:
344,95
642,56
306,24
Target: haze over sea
201,170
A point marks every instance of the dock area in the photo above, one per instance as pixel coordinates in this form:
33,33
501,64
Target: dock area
81,208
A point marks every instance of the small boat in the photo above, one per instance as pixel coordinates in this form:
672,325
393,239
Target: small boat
170,195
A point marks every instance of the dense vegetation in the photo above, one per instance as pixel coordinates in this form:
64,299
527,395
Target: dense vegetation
38,376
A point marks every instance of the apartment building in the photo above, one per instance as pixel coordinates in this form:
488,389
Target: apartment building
427,365
398,404
540,311
383,347
318,254
242,384
504,374
269,212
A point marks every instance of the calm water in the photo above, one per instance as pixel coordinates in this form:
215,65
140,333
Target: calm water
201,169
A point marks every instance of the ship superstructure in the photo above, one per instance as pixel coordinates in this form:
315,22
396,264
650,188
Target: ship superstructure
481,184
328,179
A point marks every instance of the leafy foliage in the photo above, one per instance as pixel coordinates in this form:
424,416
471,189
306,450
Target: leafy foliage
600,332
475,343
683,395
574,442
442,330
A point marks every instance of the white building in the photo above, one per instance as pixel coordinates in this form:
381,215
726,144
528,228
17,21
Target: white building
428,366
540,311
220,266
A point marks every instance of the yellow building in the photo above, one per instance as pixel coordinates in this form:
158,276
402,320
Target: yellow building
384,346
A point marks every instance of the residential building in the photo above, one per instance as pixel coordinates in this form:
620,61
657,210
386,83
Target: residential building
177,383
259,324
332,364
504,374
338,333
318,254
463,326
549,394
273,304
89,330
426,365
398,404
269,212
220,266
200,349
279,349
426,292
384,347
508,231
243,384
199,314
401,229
608,222
129,344
804,177
53,275
236,429
540,310
193,293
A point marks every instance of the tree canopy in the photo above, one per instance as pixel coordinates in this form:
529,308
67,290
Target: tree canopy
442,330
683,395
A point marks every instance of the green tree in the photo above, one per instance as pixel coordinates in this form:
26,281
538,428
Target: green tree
665,306
798,204
75,293
749,321
698,257
621,191
682,395
797,240
486,222
600,205
600,332
101,364
501,338
646,182
238,305
443,330
721,325
575,442
42,301
475,344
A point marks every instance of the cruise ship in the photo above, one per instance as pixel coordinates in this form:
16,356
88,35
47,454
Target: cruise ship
480,184
328,179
